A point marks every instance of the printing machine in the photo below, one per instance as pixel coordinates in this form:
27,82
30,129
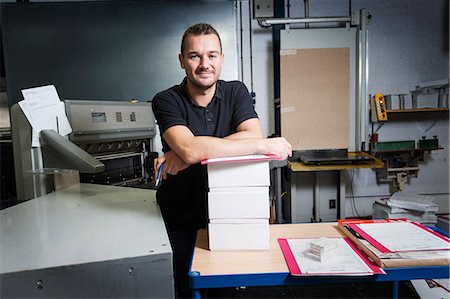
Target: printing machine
67,239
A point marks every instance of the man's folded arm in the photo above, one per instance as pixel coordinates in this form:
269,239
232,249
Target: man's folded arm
248,140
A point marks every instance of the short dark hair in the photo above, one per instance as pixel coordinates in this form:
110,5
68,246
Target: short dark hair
199,29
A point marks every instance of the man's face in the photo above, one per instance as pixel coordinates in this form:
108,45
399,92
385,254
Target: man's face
202,60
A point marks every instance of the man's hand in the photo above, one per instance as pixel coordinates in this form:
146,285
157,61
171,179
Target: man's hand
279,146
172,164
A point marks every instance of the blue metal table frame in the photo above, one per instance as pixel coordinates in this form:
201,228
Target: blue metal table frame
394,275
201,282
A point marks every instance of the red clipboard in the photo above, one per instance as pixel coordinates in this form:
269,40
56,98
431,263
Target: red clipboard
295,268
378,244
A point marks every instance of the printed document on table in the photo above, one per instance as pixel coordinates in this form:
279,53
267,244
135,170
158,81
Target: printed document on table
401,236
44,111
346,261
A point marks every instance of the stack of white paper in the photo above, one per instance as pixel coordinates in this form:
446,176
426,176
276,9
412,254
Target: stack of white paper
413,201
415,207
238,204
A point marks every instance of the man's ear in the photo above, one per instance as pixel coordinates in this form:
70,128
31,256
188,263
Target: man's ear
180,58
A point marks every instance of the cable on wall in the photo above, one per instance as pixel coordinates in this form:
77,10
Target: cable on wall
252,93
352,196
241,46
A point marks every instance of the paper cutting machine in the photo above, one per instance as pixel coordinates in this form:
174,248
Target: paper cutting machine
83,240
119,134
111,140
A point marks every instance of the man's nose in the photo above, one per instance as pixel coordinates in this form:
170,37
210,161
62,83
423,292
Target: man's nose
204,63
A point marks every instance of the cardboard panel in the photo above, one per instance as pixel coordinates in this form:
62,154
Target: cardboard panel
315,98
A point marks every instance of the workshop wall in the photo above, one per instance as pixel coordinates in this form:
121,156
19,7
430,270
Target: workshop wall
106,50
408,45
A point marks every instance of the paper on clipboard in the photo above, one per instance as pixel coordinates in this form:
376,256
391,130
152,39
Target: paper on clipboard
44,110
400,236
349,261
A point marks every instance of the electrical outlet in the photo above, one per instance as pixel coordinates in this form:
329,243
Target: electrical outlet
332,204
263,9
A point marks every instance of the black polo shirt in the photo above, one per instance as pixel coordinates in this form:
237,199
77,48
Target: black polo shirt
182,198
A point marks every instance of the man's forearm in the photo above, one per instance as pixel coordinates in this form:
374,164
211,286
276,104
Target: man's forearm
244,135
213,147
204,147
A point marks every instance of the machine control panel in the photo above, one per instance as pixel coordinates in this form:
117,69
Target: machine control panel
97,116
108,118
379,111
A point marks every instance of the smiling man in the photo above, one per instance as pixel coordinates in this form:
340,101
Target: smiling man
201,118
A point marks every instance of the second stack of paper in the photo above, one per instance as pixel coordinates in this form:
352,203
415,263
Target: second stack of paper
238,205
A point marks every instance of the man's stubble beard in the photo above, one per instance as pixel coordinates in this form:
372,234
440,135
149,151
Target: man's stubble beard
201,86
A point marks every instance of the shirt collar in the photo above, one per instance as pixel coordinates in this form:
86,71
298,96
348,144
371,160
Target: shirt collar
217,96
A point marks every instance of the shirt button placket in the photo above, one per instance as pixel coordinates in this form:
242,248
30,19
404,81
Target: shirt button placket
209,121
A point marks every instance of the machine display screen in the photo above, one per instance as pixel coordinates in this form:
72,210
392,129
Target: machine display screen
98,117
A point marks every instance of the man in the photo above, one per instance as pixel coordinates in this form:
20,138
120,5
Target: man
201,118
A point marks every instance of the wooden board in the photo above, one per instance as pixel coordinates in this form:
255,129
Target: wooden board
315,98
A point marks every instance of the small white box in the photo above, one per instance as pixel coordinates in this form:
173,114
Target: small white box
239,174
322,249
250,202
233,237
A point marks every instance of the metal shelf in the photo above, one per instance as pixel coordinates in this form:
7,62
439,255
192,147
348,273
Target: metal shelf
374,163
417,110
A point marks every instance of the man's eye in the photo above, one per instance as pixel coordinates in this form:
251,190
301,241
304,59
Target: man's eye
193,57
213,56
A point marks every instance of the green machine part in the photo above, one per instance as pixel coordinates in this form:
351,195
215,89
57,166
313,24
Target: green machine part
395,145
428,143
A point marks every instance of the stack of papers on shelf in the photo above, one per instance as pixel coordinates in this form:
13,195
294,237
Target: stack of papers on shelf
415,207
238,202
398,242
348,260
413,201
382,210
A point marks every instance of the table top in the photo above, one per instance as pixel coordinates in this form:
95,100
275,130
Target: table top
208,262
